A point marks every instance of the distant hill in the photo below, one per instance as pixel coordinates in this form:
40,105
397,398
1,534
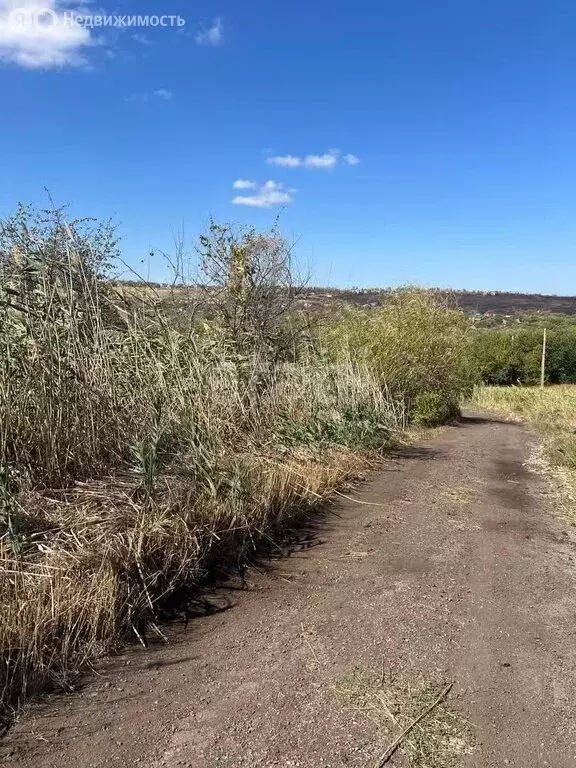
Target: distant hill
481,302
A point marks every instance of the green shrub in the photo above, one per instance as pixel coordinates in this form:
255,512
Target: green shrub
512,356
415,343
433,408
361,427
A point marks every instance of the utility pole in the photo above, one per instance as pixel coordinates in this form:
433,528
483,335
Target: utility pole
543,363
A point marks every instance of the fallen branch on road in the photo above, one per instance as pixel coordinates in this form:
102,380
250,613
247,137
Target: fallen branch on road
396,743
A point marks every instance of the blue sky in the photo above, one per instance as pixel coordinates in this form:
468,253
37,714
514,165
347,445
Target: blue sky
405,141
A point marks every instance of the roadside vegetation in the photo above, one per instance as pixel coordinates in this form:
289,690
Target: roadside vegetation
511,355
416,343
146,444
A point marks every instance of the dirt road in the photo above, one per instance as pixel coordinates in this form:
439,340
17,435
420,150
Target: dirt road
454,567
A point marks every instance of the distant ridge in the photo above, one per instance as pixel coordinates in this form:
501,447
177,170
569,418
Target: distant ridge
482,302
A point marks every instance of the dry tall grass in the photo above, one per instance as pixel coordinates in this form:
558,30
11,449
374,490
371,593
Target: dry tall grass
134,456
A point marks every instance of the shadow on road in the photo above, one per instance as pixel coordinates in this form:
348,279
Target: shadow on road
471,419
417,452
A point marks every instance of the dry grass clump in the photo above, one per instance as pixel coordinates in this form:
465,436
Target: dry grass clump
135,455
414,712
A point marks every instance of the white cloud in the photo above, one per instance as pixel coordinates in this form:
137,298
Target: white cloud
35,35
244,184
141,98
212,35
271,193
285,161
164,93
326,161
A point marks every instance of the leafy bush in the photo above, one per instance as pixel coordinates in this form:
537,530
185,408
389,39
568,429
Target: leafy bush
415,343
513,355
363,427
433,408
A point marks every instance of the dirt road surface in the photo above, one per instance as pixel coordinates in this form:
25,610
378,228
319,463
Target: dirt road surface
455,566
